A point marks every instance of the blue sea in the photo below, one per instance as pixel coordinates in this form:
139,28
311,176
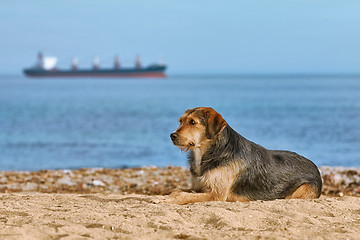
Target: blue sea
114,123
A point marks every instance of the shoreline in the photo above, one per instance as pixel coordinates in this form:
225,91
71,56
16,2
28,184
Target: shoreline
150,180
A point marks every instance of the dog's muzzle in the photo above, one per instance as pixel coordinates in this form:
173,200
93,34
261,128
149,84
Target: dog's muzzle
174,136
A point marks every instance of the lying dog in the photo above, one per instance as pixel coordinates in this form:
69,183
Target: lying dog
225,166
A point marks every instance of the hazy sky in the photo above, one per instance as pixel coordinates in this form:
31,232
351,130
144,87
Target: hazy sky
200,36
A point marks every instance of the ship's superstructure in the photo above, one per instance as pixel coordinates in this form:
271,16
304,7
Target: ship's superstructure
46,67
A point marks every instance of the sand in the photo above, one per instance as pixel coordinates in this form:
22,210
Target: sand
134,216
128,204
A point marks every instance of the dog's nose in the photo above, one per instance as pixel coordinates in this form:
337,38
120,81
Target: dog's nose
173,136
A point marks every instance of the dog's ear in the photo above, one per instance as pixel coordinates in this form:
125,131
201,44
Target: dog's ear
214,122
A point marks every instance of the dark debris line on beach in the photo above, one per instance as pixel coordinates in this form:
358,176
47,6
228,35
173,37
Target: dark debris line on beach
146,180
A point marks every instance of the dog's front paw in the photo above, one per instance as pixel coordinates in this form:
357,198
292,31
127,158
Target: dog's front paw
157,199
176,192
177,197
170,200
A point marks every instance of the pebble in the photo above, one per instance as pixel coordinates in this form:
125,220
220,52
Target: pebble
98,183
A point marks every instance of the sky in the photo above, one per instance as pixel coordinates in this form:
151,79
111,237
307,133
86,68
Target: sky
199,37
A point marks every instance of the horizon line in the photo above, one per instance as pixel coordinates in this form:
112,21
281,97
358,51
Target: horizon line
246,75
270,75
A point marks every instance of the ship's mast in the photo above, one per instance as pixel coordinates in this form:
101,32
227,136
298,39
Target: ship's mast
40,62
138,62
74,63
117,62
95,63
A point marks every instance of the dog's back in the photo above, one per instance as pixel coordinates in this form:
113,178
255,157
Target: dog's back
266,174
277,176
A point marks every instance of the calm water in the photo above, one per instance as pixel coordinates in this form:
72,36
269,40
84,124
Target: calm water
74,123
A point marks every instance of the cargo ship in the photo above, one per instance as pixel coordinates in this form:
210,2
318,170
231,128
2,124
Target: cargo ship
46,67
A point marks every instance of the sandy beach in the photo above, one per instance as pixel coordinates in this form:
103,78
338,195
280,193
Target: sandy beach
133,216
127,204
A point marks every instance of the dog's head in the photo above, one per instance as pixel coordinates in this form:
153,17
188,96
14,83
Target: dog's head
197,126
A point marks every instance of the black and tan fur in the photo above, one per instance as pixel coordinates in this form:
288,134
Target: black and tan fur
225,166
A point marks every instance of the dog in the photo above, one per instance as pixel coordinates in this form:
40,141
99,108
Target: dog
225,166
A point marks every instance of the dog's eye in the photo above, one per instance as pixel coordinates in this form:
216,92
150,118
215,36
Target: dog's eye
192,122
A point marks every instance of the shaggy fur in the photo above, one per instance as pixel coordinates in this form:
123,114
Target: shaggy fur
225,166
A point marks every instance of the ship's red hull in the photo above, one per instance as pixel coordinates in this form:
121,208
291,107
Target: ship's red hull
154,71
91,75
